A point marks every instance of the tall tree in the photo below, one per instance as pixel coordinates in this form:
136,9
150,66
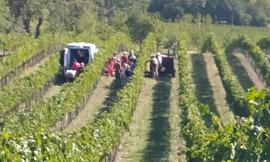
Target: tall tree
27,14
139,26
4,17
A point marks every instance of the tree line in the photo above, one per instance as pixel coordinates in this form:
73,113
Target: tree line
31,16
237,12
104,16
135,17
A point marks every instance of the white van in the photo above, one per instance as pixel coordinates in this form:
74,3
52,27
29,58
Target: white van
84,53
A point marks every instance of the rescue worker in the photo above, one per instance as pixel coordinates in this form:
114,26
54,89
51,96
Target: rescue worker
132,57
124,70
161,68
124,58
110,67
75,65
117,67
153,67
159,57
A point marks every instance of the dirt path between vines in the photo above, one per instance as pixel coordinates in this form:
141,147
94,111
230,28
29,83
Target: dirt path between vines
34,68
53,90
250,71
154,133
239,71
218,89
135,140
102,96
4,53
209,87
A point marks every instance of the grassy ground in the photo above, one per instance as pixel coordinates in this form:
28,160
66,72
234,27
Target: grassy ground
239,71
56,87
250,72
219,94
208,86
197,33
34,68
102,97
54,90
203,88
158,142
135,140
155,130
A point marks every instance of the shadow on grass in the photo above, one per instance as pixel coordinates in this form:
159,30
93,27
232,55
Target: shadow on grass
203,88
239,71
111,97
158,146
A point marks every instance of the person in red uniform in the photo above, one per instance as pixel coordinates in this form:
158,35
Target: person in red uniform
117,67
124,58
110,67
76,65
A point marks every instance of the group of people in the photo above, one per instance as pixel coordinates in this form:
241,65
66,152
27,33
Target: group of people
121,66
155,65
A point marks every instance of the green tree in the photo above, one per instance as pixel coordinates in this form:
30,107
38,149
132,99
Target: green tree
139,26
4,17
239,12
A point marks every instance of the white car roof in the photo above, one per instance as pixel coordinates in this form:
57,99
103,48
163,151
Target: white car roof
82,45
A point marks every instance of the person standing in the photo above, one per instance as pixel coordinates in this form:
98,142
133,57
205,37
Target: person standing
159,58
174,47
124,58
154,67
111,71
123,73
132,56
117,66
